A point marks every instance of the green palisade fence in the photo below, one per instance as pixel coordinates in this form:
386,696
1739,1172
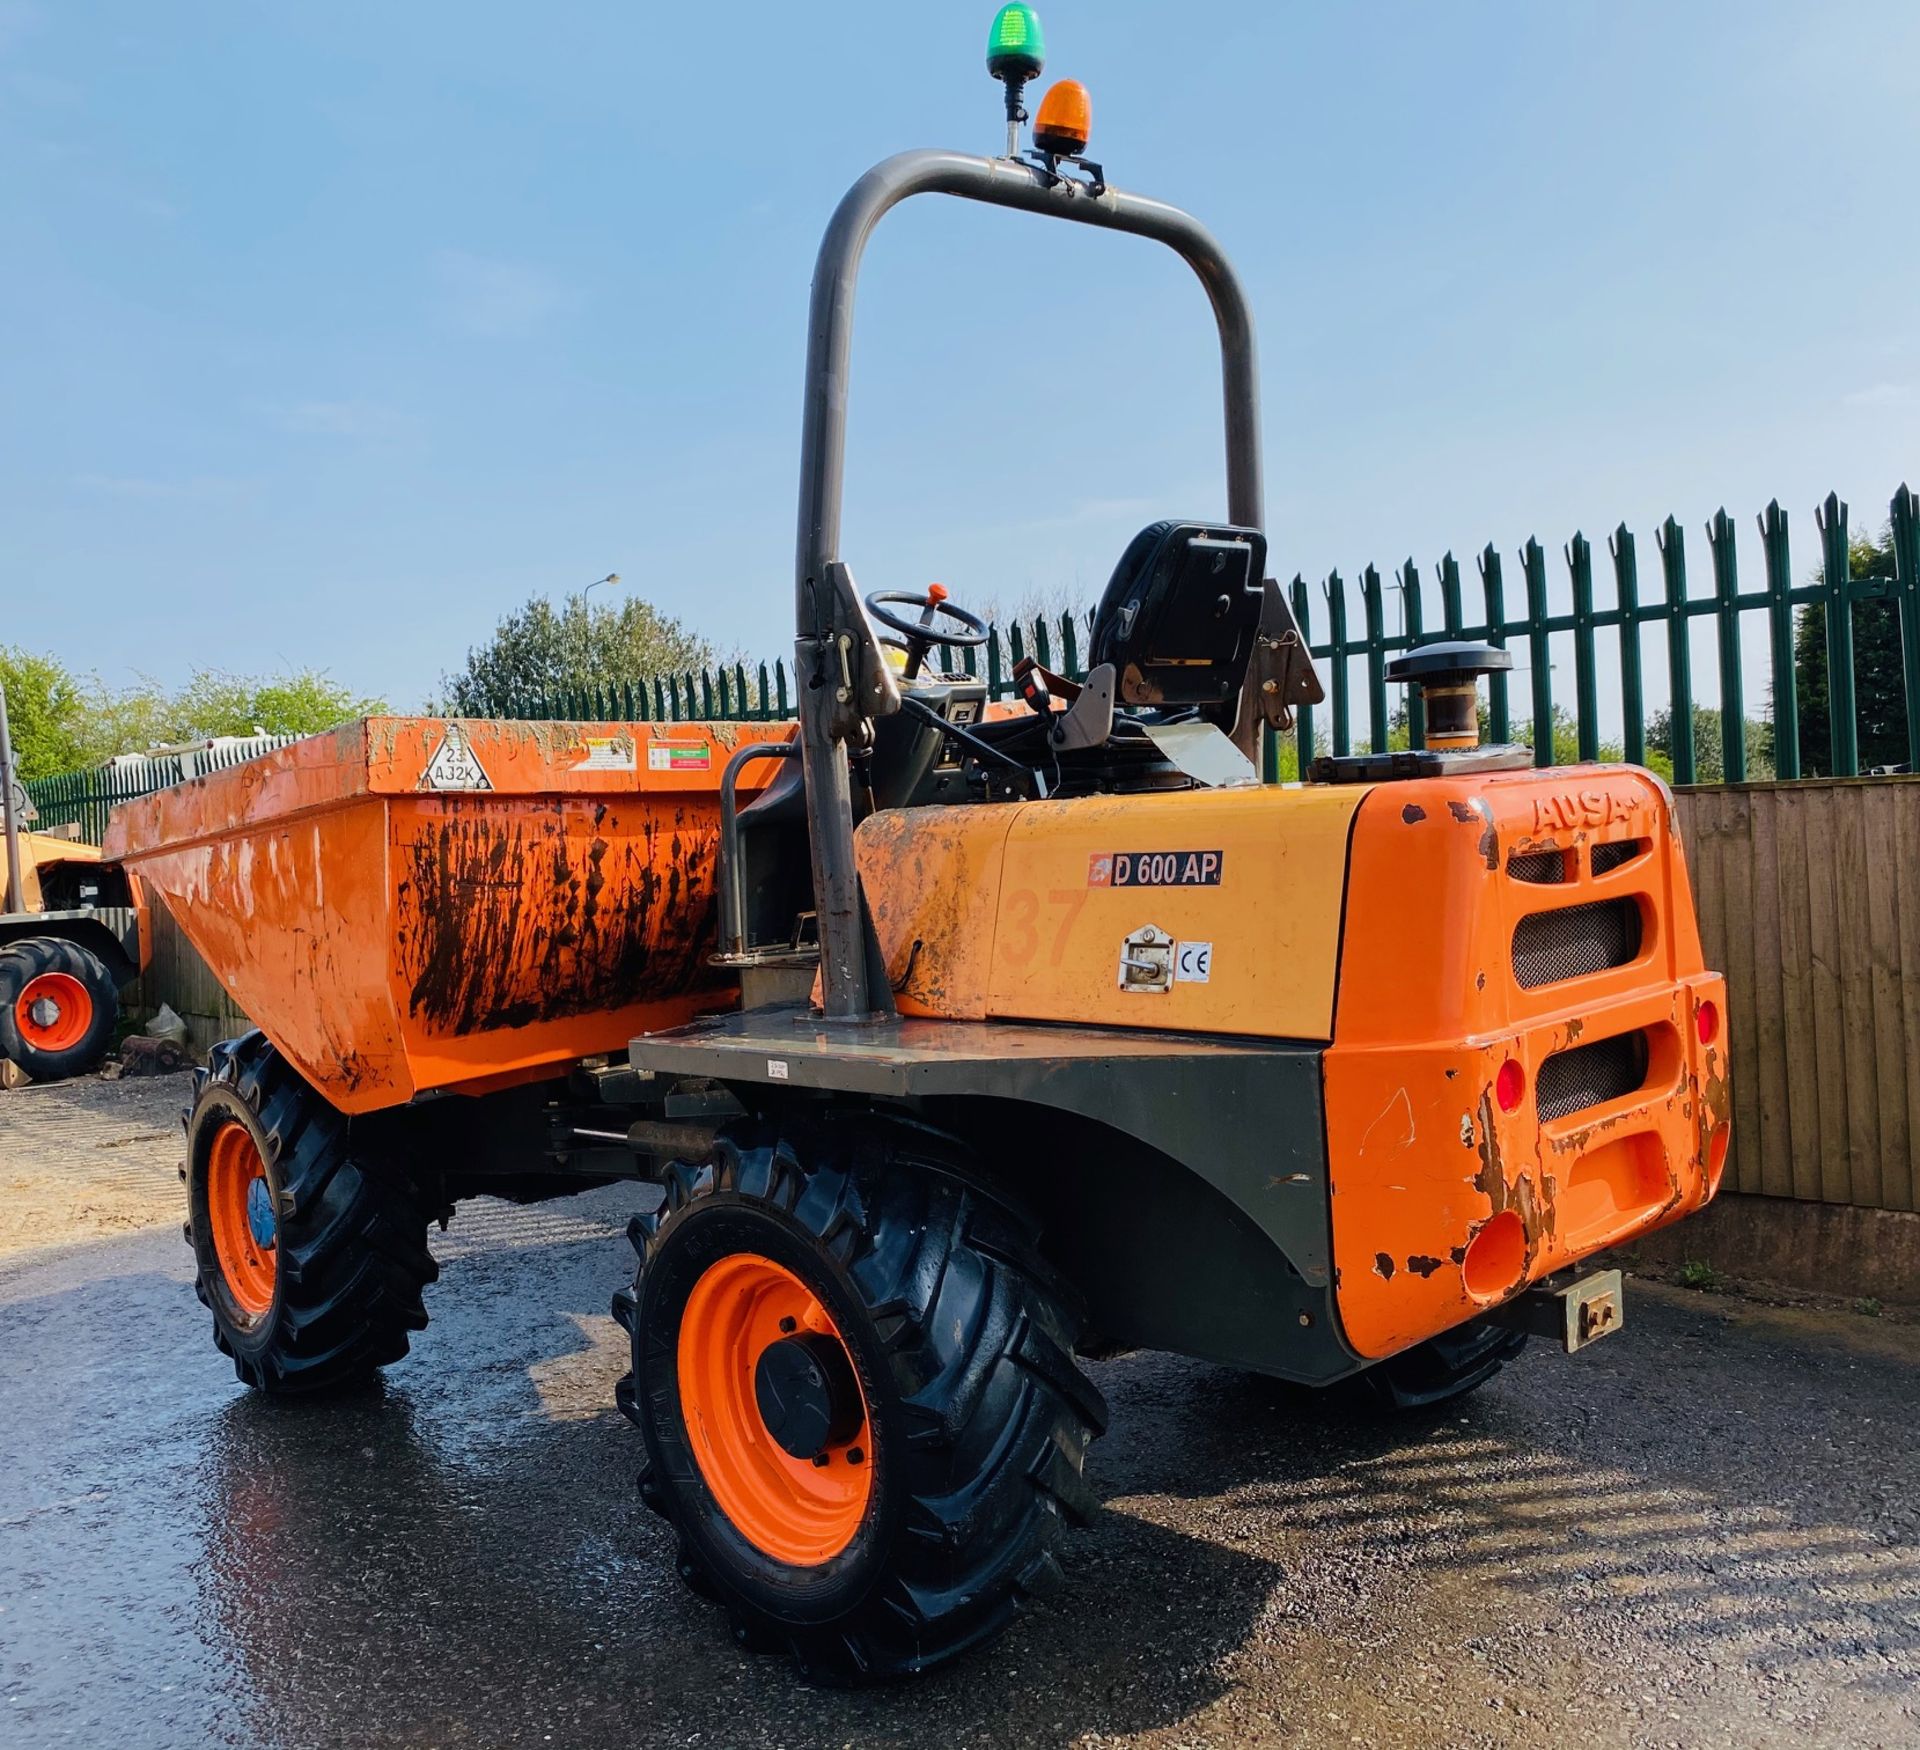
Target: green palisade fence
85,799
1678,604
1605,634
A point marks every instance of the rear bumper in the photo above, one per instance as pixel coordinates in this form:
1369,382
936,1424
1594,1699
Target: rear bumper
1528,1061
1446,1203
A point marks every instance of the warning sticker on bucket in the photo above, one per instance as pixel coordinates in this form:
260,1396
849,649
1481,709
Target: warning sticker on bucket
1155,868
606,753
679,756
455,766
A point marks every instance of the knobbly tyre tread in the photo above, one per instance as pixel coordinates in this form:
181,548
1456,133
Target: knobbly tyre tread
26,959
995,1428
353,1258
1442,1369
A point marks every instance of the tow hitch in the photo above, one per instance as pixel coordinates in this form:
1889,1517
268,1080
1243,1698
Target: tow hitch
1572,1314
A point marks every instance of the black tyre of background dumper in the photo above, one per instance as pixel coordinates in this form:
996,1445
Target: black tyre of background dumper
25,960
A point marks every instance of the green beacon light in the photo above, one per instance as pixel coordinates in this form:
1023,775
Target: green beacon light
1016,51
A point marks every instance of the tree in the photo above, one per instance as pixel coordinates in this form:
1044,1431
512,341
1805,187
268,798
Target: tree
46,712
1879,684
147,715
1709,763
542,651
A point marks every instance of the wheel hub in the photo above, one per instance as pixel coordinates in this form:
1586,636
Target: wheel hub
261,1222
774,1410
807,1394
245,1223
53,1012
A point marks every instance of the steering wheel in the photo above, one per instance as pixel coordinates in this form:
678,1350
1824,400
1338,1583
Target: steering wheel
919,636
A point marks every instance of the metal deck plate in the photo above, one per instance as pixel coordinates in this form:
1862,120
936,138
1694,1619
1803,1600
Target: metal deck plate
903,1055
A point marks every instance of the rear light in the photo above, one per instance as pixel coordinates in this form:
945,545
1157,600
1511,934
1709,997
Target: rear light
1510,1085
1706,1022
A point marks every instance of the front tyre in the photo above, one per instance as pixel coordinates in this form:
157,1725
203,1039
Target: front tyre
855,1382
58,1005
310,1254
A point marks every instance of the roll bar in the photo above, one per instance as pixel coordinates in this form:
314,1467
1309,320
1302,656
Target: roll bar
823,607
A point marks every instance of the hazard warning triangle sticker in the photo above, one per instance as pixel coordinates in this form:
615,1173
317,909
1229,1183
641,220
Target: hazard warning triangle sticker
455,766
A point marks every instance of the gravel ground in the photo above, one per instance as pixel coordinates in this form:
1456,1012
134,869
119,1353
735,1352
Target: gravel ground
1706,1531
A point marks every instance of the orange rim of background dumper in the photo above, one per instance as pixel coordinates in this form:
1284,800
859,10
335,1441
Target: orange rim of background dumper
73,1004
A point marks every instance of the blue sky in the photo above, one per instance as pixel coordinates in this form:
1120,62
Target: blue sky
336,331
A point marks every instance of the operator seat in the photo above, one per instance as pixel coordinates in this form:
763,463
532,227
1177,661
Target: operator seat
1180,616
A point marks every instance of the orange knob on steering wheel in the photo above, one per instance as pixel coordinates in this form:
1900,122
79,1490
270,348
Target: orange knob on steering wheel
918,637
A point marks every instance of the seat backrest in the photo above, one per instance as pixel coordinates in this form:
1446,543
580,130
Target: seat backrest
1179,617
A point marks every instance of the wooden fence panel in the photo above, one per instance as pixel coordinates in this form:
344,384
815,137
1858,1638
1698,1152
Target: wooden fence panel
1809,899
178,975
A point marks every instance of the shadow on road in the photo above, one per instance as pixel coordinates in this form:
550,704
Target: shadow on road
456,1555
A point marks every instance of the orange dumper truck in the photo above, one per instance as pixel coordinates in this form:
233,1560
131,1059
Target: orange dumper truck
964,1042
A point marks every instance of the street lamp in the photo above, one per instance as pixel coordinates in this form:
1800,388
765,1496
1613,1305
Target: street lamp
611,577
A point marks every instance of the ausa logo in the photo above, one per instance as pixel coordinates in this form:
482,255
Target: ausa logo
1155,868
1569,809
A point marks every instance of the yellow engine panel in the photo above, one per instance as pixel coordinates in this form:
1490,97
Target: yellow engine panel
1021,912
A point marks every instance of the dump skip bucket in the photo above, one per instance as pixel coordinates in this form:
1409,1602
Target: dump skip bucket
408,905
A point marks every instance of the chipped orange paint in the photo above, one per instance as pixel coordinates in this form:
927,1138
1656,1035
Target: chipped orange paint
393,939
998,912
1423,1159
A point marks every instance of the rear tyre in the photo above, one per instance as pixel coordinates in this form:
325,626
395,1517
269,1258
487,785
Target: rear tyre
310,1254
58,1004
1443,1368
855,1382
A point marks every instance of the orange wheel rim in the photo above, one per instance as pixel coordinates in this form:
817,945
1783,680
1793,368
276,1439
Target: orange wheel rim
802,1510
240,1207
53,1011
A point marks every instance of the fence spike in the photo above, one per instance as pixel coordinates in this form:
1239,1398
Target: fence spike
1499,725
1338,650
1672,542
1836,582
1303,723
1408,578
1626,595
1373,603
1450,611
1905,516
1586,686
1533,563
1784,693
1733,704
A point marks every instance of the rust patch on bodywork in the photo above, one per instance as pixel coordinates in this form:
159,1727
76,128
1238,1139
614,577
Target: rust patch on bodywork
503,919
1413,813
1532,1203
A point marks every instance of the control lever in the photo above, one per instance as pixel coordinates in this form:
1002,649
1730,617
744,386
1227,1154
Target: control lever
1088,718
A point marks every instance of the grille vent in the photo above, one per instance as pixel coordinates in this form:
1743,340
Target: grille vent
1539,866
1590,1075
1610,856
1550,946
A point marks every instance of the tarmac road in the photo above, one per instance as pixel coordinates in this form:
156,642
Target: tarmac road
1705,1531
